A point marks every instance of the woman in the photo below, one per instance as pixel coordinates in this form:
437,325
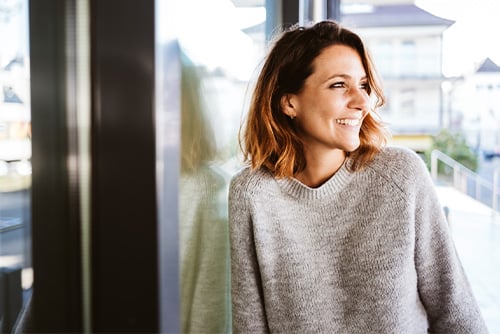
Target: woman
331,232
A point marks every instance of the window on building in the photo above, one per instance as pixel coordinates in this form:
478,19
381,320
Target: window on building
383,53
408,62
407,105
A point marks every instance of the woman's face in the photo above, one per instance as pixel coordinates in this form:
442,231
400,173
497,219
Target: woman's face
331,106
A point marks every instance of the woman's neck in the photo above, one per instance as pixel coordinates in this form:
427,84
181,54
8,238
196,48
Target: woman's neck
320,168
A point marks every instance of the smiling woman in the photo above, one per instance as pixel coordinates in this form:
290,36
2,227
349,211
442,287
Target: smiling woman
318,80
330,230
329,110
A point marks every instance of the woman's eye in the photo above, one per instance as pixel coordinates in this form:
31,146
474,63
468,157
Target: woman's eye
339,84
364,86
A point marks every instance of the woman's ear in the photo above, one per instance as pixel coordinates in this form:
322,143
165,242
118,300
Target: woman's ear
287,106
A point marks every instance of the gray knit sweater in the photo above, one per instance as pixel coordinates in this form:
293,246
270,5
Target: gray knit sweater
367,252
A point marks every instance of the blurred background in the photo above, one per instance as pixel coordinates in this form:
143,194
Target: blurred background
118,136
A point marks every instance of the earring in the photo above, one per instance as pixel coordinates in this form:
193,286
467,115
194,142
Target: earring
292,117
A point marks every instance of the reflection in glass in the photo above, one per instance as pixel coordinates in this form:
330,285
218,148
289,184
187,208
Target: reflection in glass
221,43
203,230
15,165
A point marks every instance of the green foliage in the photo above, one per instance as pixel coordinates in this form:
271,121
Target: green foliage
454,145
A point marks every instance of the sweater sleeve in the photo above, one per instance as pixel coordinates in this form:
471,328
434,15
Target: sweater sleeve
442,284
203,232
246,289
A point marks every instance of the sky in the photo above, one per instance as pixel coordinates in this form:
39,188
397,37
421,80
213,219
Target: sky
211,35
473,37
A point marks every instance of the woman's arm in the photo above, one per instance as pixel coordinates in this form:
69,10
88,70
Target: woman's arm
246,290
443,286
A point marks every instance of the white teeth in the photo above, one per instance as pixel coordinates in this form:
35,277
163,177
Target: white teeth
350,122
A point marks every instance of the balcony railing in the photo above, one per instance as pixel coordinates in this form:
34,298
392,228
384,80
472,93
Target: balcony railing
465,180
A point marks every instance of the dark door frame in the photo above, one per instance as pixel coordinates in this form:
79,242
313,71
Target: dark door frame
125,293
57,301
123,210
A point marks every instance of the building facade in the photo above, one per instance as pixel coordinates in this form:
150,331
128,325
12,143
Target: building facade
476,104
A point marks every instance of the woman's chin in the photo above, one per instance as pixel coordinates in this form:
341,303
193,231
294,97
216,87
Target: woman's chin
351,147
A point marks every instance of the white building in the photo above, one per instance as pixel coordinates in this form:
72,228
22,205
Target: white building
478,100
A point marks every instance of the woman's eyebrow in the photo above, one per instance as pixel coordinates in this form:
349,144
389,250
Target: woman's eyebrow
343,76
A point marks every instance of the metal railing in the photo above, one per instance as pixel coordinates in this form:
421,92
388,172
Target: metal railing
465,180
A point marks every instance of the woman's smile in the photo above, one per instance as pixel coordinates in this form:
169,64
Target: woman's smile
354,122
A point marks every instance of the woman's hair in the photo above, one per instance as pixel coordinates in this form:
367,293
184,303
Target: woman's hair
197,136
269,139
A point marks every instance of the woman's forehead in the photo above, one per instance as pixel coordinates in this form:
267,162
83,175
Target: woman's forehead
338,60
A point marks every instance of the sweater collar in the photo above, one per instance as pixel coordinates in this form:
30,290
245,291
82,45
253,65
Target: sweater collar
332,186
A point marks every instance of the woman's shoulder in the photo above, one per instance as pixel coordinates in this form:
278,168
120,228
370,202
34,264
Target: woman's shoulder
247,173
399,164
248,179
398,157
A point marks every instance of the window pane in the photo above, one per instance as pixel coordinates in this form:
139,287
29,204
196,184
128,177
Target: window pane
220,43
15,166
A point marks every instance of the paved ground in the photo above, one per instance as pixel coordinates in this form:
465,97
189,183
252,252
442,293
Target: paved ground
476,232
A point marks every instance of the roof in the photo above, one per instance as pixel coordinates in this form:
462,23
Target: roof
488,66
15,61
393,16
10,96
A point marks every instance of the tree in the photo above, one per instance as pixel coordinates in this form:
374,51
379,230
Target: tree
454,145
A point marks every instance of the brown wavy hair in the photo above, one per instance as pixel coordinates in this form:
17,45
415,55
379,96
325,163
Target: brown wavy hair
269,138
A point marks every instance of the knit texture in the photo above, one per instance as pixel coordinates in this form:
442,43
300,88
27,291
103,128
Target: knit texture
367,252
204,253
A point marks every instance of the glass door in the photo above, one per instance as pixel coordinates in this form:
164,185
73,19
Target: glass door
207,55
16,276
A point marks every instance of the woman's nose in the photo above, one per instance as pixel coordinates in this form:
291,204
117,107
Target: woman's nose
359,99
